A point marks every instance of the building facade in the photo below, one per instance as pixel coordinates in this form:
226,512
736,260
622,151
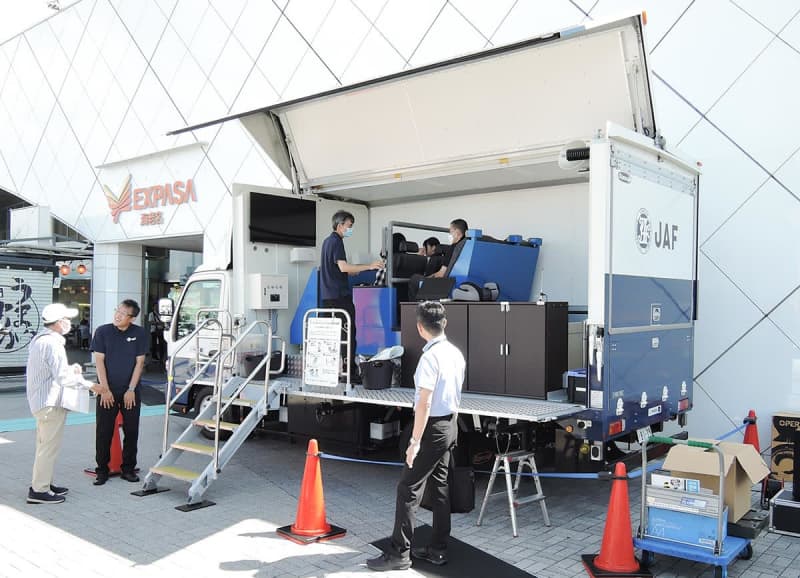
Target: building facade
88,96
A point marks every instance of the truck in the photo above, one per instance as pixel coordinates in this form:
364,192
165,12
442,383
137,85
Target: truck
581,215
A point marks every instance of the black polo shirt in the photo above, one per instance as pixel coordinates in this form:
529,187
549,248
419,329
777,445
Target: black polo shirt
121,349
332,282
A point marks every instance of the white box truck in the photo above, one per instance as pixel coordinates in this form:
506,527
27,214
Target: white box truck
552,139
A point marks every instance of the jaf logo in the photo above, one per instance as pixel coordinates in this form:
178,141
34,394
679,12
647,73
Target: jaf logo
140,199
664,237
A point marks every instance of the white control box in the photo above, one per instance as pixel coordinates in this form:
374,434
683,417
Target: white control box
268,291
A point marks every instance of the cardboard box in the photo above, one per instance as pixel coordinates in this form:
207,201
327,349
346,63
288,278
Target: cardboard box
784,425
686,528
743,467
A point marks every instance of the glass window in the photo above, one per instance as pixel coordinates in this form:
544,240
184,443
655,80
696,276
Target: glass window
198,295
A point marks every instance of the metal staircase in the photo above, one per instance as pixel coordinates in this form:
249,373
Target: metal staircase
207,459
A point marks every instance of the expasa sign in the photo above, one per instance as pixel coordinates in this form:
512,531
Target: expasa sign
147,200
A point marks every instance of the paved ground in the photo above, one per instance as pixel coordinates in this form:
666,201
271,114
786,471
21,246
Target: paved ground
100,531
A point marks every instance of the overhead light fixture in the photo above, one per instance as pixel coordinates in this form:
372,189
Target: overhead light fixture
81,269
65,270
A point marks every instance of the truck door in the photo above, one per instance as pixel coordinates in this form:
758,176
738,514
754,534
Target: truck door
642,280
202,299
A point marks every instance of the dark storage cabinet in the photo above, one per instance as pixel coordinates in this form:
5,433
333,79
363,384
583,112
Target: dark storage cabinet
457,334
517,349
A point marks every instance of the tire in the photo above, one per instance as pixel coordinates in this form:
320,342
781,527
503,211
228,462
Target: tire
648,558
719,572
204,397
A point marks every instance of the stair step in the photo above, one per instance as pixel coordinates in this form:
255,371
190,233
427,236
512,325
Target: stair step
212,423
177,473
528,499
240,401
196,448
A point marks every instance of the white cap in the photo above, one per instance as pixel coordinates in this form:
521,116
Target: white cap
56,311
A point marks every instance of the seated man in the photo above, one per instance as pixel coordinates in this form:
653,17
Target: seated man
458,234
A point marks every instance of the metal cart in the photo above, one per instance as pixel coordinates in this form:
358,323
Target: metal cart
720,555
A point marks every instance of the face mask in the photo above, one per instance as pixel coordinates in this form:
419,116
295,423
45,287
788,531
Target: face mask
449,239
348,232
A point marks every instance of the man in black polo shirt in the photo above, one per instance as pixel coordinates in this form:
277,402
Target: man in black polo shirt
334,288
119,350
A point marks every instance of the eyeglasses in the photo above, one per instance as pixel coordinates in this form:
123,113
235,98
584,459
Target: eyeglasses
125,313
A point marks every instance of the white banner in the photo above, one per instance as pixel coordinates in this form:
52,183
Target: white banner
652,229
323,340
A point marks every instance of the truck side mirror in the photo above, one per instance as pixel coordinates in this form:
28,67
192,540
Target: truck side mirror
166,309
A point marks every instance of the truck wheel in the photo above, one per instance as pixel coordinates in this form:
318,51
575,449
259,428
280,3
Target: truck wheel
204,398
747,553
648,558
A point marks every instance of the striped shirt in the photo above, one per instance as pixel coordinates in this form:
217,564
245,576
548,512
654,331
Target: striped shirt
48,370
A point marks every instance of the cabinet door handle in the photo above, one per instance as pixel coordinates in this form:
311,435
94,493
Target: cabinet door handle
502,350
506,349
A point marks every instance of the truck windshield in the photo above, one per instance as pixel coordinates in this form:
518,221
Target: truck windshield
198,296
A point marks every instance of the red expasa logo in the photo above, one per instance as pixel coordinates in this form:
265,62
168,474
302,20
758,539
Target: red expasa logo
119,204
151,197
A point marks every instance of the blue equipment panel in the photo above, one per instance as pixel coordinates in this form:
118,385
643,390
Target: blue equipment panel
510,264
376,315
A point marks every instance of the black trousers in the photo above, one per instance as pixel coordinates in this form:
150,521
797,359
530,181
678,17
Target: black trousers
346,303
104,433
430,465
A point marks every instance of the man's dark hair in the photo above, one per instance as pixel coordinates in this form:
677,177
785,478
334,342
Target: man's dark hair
431,242
134,307
341,217
461,225
431,315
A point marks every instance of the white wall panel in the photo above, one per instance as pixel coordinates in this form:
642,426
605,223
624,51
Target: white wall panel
532,19
405,22
686,60
209,40
308,15
774,14
767,131
724,313
208,106
376,57
168,56
144,22
186,18
230,71
49,54
674,117
255,170
791,33
789,174
787,318
229,11
370,8
211,190
728,179
311,76
451,35
257,92
68,28
185,86
229,149
756,373
485,16
255,25
337,49
282,55
759,242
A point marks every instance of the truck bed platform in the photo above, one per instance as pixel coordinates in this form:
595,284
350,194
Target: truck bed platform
533,410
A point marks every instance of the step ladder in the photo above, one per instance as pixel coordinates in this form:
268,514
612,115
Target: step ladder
213,454
503,462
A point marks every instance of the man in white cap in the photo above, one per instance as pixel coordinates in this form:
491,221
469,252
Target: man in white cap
48,372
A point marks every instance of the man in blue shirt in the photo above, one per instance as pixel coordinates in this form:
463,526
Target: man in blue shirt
438,381
334,287
119,350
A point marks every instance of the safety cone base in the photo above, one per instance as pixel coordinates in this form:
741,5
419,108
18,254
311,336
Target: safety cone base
335,532
588,561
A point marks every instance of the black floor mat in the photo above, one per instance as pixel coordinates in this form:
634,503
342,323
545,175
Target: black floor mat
463,560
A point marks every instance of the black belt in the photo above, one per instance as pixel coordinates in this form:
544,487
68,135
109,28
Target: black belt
440,417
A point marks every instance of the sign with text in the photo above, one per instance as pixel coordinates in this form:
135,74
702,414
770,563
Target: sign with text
145,199
321,361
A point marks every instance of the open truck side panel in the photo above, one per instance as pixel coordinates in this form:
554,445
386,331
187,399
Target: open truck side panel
552,139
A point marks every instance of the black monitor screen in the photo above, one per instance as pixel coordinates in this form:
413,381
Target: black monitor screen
284,220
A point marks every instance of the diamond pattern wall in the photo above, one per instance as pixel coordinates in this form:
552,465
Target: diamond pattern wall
88,95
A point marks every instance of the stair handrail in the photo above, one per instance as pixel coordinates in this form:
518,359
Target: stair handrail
171,371
218,382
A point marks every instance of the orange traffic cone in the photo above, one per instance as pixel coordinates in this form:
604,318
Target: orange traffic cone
310,524
751,431
616,552
115,463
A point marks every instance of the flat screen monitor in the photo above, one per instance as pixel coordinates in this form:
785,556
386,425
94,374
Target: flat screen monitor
283,220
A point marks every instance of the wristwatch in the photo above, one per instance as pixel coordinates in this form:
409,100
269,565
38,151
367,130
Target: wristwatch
132,388
413,442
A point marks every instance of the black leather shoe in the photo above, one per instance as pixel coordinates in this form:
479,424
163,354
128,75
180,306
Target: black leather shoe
386,562
437,557
58,490
100,480
129,477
